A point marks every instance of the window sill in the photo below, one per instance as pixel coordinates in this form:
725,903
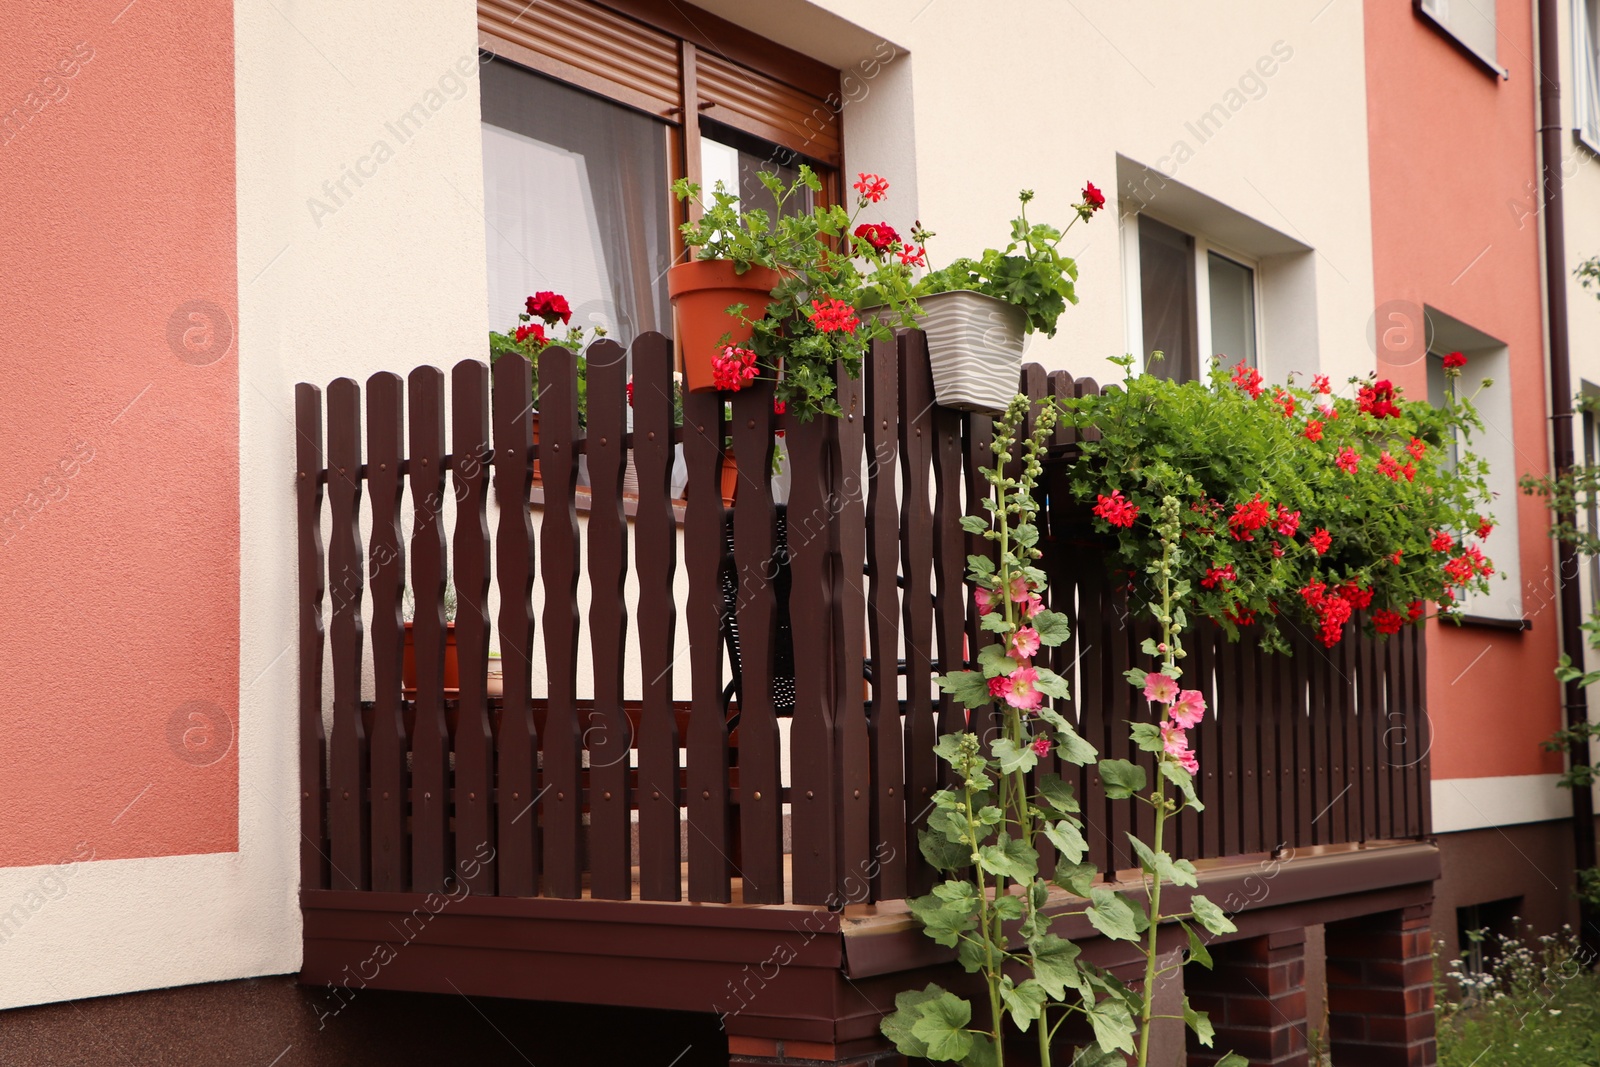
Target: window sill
1487,63
1516,625
1582,138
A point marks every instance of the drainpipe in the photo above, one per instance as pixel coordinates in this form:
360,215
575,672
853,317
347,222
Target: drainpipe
1576,706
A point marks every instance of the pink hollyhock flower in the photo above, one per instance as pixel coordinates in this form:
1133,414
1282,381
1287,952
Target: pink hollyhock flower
1189,708
1041,747
999,687
1176,743
1160,689
1032,606
1023,694
1019,589
987,600
1025,642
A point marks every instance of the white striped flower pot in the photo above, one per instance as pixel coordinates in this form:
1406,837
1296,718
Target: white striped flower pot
975,345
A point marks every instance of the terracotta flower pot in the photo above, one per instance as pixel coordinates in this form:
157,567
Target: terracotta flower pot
701,292
408,663
730,477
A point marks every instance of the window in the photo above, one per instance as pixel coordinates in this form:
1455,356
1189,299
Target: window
1470,24
1586,71
1192,300
1480,928
590,113
1496,446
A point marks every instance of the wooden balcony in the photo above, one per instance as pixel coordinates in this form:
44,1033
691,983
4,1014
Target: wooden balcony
661,824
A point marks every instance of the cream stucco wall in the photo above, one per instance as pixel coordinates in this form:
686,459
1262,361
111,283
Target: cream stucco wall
359,251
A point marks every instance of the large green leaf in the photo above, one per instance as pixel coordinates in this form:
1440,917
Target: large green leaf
1055,964
969,688
1050,683
1076,878
1056,793
1198,953
1210,916
1162,865
1010,858
1053,627
1199,1022
1112,915
1068,839
1147,735
1013,757
995,662
945,920
1025,1002
942,853
897,1027
941,1025
1122,779
1184,781
1113,1025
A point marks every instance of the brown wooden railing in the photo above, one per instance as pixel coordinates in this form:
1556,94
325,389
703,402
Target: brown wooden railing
677,791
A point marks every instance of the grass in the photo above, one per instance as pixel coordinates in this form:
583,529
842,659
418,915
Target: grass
1536,1003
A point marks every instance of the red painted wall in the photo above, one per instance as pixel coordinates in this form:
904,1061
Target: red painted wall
119,430
1454,226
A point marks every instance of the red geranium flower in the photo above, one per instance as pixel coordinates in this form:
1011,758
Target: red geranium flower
1455,361
880,235
550,307
1285,401
1116,509
1248,379
1348,460
871,187
913,256
1319,382
1313,429
1216,576
533,330
1248,518
1417,448
1093,197
1485,527
1388,467
1386,621
833,314
1321,540
1377,400
733,369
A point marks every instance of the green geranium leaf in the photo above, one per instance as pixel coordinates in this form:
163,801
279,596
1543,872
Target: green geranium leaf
1025,1002
1055,965
1111,915
1053,627
1121,778
1199,1022
1067,838
1210,916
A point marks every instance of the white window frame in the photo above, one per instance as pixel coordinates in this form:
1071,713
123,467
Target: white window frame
1586,73
1203,247
1438,13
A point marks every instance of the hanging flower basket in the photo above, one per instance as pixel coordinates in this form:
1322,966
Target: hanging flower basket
975,345
701,292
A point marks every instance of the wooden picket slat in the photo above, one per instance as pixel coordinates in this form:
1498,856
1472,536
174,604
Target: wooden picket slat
754,546
710,845
607,735
924,773
949,561
655,566
814,778
471,457
883,623
561,801
430,748
853,760
314,873
391,857
1419,652
349,819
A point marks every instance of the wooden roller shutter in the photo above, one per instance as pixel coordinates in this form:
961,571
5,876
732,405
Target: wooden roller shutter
767,108
633,51
590,47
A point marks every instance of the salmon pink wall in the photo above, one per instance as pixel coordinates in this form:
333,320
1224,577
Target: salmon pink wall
1455,227
119,428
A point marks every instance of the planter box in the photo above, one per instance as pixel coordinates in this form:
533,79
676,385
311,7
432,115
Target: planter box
975,345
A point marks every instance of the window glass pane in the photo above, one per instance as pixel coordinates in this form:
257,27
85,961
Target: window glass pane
1472,22
736,159
576,200
1166,300
1233,311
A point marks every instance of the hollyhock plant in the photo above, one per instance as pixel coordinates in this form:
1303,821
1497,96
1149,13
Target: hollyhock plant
1275,503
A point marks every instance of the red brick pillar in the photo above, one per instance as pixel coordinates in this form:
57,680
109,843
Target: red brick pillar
1255,994
1380,989
773,1052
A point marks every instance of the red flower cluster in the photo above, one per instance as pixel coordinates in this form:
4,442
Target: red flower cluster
1093,197
1215,576
833,314
871,187
1319,382
533,330
1377,400
1485,527
1348,460
1386,621
1313,429
1334,606
1288,522
780,407
550,307
1417,448
1116,509
734,369
1414,611
1248,379
1248,518
880,235
1443,542
1321,540
1467,566
913,255
1285,400
1455,361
